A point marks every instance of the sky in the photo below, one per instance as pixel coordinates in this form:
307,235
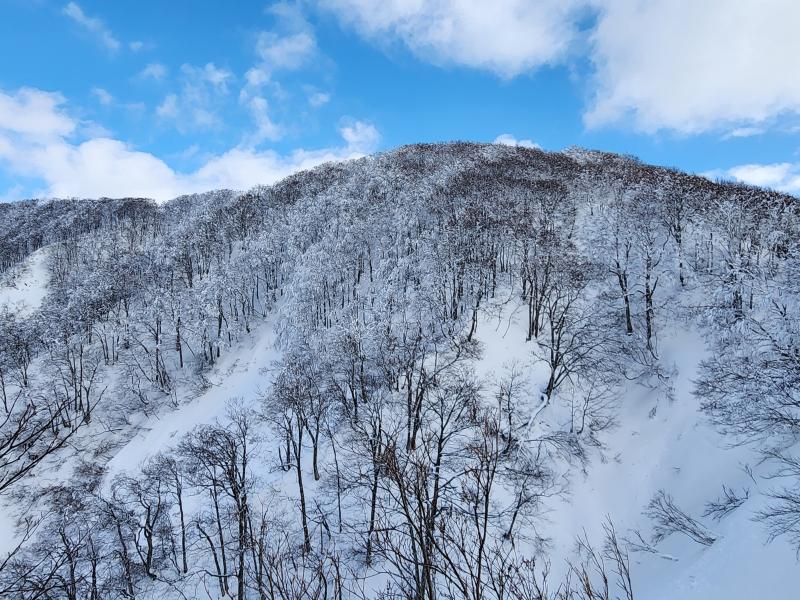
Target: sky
151,98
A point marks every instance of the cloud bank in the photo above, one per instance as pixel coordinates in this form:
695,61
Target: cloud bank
36,140
694,66
784,177
686,66
508,37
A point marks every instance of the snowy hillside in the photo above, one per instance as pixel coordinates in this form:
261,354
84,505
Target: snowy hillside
446,371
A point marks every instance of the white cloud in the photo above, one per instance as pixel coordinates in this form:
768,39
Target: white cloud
256,77
168,109
212,74
290,46
317,99
36,141
784,177
743,132
101,167
241,169
275,51
34,113
509,140
360,136
285,51
93,25
773,175
103,96
508,37
202,92
695,66
266,129
136,45
683,65
155,71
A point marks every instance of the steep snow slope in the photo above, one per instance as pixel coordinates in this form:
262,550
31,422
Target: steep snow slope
244,375
22,290
23,287
661,442
666,444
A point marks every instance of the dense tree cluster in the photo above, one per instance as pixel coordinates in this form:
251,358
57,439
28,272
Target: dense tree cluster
377,464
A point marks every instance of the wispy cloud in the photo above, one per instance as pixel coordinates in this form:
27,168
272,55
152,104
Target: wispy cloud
285,51
266,129
202,94
93,25
103,96
155,71
317,99
168,109
360,135
743,132
12,194
212,74
289,46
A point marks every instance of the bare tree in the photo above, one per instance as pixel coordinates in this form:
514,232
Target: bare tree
725,504
668,519
782,515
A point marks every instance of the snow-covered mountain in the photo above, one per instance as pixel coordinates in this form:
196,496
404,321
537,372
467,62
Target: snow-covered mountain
445,371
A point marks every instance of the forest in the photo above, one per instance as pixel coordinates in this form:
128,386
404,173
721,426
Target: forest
339,418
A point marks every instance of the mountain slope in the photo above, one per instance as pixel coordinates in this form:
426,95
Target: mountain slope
420,374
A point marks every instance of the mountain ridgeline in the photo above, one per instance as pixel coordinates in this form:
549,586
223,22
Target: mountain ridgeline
382,442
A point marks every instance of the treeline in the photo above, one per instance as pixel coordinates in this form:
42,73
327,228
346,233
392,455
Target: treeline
377,464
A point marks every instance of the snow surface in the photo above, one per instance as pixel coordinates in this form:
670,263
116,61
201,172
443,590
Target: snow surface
8,536
23,288
661,443
244,374
675,450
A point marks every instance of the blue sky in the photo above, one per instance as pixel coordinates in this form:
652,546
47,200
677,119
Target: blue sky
102,97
